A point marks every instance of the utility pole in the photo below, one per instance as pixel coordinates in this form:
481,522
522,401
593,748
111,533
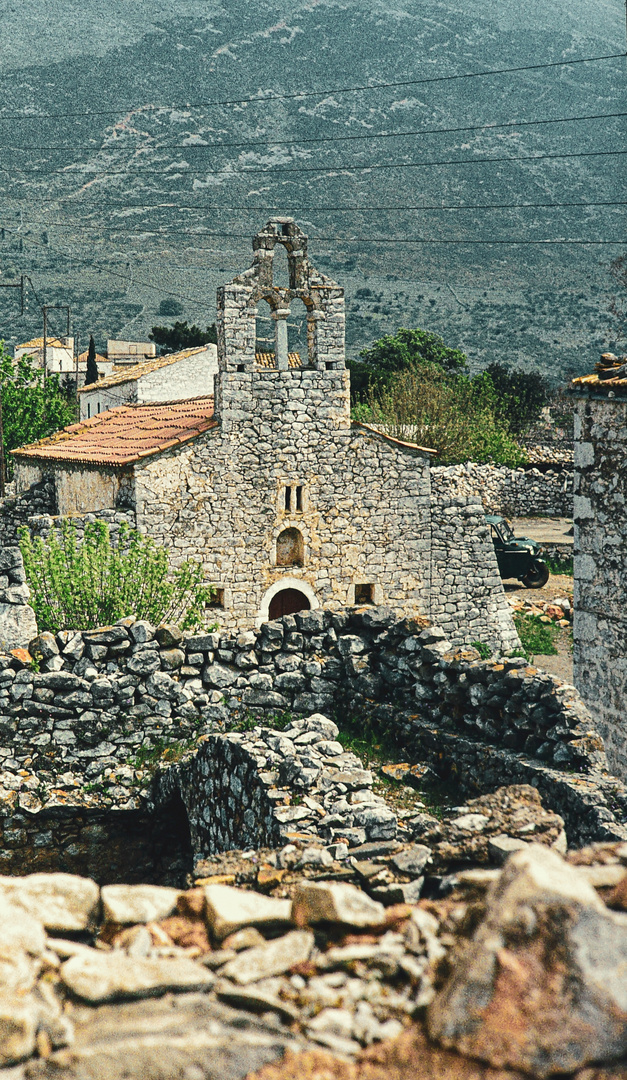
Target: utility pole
46,308
21,288
3,489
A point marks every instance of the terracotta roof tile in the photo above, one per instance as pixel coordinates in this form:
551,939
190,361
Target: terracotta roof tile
125,434
610,374
38,343
268,359
126,374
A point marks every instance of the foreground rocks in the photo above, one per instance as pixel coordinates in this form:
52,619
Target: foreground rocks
515,971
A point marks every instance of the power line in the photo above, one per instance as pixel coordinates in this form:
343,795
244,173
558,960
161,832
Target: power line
325,139
42,222
263,100
377,240
280,171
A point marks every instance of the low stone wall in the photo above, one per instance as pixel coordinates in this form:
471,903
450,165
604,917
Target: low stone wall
84,729
523,492
15,510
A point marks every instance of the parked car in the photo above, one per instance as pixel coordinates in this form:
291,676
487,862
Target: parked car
517,556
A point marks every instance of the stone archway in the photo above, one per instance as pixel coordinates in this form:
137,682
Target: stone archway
287,602
306,598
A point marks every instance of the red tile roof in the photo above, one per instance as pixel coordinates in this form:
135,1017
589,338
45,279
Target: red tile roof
126,434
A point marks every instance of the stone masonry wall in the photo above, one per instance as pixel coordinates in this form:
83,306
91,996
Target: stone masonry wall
511,492
80,731
467,598
600,594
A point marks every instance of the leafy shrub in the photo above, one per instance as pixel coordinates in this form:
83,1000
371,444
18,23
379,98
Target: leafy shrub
453,414
520,396
537,638
399,352
484,650
182,336
83,585
31,408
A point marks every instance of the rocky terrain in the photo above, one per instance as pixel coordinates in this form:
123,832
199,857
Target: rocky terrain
511,961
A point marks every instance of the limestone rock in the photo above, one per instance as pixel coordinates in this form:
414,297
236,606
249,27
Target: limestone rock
112,976
138,903
18,1029
18,626
229,909
541,987
183,1036
22,942
65,903
334,902
271,958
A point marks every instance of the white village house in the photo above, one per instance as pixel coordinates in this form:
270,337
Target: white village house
186,374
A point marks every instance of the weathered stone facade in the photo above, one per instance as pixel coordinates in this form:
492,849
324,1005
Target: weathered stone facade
600,561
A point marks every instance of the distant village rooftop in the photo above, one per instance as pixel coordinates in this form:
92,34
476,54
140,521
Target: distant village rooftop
126,434
609,378
127,374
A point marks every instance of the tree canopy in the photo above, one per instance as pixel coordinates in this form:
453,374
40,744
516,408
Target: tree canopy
400,352
32,407
91,375
182,336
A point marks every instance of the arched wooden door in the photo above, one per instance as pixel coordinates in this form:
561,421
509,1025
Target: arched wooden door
287,602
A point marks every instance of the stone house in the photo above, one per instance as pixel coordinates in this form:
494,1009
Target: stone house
288,503
184,374
600,559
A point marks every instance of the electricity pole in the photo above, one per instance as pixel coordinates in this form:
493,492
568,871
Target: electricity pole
46,308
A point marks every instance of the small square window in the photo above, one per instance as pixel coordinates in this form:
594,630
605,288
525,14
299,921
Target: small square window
217,600
364,594
241,367
329,366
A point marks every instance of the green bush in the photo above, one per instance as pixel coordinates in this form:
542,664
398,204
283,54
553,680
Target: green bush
78,586
452,414
560,565
537,638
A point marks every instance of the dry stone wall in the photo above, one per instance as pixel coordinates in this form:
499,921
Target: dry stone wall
523,492
78,736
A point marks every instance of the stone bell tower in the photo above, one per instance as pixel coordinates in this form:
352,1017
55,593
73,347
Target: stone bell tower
243,382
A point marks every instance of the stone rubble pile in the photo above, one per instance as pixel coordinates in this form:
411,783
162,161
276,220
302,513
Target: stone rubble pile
519,966
559,610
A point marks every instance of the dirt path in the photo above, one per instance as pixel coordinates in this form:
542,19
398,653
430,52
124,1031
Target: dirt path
558,585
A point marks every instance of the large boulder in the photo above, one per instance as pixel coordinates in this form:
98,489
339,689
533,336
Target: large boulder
542,985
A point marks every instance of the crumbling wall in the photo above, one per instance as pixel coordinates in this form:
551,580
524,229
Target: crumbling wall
105,703
600,595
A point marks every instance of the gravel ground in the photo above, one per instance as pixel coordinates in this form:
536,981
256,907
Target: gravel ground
557,585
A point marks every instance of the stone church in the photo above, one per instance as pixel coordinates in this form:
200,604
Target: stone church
288,504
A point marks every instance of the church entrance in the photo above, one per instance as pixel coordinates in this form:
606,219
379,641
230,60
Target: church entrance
287,602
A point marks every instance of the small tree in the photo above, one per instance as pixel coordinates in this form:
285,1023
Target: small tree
182,336
520,396
31,408
399,352
78,586
92,367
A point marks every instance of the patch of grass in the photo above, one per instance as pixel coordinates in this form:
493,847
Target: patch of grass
150,757
558,565
484,650
537,637
277,721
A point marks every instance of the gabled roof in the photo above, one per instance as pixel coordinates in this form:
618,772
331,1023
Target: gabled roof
38,343
82,358
126,434
135,372
609,376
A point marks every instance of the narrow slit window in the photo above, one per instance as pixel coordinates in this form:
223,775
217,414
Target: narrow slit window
288,498
364,594
88,411
299,498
